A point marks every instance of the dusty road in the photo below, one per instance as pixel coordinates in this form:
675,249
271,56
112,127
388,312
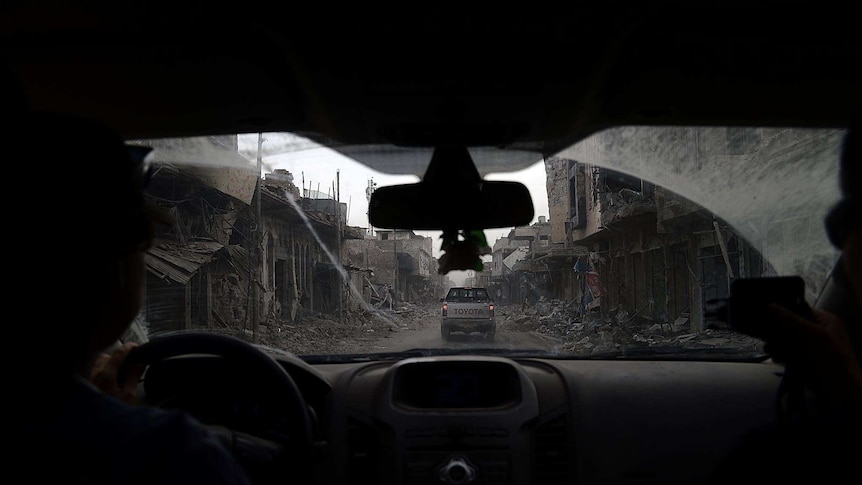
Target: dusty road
410,327
425,334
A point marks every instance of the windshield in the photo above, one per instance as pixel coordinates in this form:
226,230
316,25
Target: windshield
636,231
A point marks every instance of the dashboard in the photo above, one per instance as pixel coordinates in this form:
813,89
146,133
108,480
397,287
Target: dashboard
493,420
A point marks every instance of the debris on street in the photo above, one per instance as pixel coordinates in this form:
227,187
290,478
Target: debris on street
324,334
615,330
361,331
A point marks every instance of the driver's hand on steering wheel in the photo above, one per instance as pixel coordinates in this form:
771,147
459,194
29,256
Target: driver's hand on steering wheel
105,371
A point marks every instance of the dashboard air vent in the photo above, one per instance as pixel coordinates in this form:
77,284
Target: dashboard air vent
551,452
365,442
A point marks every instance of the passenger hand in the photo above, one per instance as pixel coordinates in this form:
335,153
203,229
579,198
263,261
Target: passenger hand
832,368
105,375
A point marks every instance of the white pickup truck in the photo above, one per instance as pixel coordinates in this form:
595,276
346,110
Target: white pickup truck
467,310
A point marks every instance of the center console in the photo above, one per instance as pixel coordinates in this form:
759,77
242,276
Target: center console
456,420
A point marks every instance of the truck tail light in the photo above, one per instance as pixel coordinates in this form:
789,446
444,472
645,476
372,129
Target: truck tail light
445,308
491,309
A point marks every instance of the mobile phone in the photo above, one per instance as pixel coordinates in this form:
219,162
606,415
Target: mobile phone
748,304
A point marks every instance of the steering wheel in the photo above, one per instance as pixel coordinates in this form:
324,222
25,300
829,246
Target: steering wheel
296,446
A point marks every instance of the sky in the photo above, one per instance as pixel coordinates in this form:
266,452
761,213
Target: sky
318,168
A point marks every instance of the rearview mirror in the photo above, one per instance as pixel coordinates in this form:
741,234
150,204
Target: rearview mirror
451,196
424,206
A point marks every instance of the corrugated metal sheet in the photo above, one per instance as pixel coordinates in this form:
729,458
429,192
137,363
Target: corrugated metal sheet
240,261
180,263
513,258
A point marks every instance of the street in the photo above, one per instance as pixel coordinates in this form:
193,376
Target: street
426,335
409,327
548,326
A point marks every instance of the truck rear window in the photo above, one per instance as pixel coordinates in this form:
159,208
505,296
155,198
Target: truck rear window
465,295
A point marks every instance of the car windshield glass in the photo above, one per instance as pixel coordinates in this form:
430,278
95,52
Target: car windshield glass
637,230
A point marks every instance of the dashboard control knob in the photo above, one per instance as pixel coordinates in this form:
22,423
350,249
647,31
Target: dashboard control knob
457,471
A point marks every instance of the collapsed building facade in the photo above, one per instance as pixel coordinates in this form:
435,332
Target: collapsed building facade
399,260
645,250
524,266
237,239
620,243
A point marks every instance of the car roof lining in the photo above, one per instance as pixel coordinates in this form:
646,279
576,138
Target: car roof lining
537,85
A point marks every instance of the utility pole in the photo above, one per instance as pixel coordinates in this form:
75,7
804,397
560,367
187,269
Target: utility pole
368,191
255,291
395,260
338,244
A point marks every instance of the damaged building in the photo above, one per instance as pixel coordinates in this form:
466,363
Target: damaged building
396,259
650,252
237,238
301,240
527,265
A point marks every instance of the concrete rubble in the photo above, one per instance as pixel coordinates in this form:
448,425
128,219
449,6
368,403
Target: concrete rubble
597,333
324,334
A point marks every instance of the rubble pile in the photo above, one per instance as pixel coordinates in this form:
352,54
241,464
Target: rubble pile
595,332
324,334
361,330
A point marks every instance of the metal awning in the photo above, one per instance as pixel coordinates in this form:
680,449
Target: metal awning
179,263
222,169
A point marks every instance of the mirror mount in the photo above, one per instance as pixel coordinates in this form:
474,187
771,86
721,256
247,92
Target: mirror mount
452,163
